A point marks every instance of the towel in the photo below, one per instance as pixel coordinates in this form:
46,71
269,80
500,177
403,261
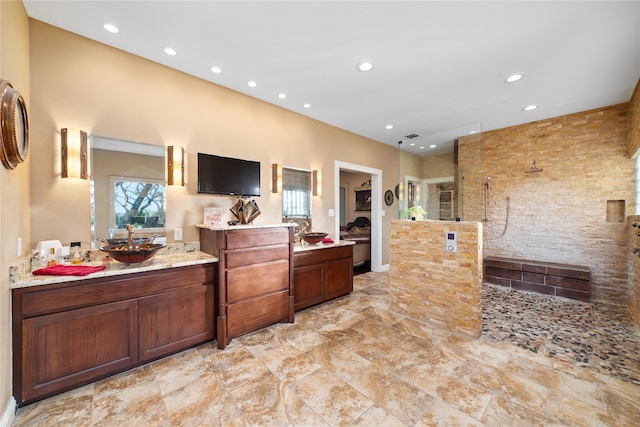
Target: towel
68,270
327,240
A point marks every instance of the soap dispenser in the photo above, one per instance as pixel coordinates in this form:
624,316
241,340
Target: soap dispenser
51,261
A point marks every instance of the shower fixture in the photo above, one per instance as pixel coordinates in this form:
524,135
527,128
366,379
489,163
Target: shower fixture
534,168
487,210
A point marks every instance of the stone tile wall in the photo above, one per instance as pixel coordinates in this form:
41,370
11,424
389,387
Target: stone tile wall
560,214
432,285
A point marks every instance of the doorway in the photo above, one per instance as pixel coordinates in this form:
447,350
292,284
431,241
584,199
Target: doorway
376,207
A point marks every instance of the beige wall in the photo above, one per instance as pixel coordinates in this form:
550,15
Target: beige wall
14,184
104,91
560,214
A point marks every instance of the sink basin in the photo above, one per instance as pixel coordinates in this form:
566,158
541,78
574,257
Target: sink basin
130,254
313,237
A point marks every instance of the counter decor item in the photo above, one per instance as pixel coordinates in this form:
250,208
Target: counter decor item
245,212
14,126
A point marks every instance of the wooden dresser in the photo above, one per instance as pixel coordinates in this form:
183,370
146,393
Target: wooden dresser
255,277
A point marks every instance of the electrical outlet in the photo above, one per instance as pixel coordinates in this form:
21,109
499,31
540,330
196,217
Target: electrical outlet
177,234
332,212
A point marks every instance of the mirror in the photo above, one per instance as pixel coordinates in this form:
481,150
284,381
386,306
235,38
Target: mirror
127,187
296,197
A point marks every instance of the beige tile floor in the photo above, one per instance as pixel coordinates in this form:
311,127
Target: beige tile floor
349,362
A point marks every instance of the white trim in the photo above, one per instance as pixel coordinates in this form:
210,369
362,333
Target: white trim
376,208
9,413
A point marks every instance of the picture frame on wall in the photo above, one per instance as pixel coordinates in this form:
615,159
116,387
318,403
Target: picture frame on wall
363,200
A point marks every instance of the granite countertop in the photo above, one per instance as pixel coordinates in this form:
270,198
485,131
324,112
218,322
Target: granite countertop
114,268
302,247
244,226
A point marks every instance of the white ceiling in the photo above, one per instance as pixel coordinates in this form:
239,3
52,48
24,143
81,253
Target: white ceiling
439,67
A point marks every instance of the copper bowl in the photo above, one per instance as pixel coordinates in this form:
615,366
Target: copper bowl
313,237
132,254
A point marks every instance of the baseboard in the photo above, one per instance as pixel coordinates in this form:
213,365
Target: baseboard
9,413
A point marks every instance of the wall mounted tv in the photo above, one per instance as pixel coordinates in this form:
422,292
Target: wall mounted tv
225,175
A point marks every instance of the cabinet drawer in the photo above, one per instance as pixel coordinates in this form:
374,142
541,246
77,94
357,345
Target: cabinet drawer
237,239
53,298
256,313
248,256
255,280
316,256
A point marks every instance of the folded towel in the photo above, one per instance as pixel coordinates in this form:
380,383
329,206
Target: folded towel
68,270
327,240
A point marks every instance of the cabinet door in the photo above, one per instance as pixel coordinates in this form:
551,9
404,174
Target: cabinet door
64,350
175,320
339,278
307,282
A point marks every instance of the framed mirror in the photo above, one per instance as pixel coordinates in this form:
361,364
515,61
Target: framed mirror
127,187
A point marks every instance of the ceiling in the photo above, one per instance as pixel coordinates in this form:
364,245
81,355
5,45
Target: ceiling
439,67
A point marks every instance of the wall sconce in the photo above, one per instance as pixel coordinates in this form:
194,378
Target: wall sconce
316,185
175,165
73,154
276,178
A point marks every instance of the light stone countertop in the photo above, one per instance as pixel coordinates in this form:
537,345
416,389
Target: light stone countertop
244,226
302,247
115,268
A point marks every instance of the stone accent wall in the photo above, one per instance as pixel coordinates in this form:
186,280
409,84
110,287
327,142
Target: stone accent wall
634,122
634,266
560,214
432,285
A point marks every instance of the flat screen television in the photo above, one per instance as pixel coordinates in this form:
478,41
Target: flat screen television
225,175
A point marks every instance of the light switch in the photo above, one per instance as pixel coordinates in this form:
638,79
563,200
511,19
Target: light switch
332,212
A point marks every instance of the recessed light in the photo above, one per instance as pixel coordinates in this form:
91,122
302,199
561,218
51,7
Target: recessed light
412,144
387,127
252,83
307,105
530,107
365,66
432,146
473,132
216,70
422,148
514,77
111,28
282,95
169,51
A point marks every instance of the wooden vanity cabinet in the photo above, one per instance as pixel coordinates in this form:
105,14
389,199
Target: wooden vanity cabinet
69,334
321,275
255,277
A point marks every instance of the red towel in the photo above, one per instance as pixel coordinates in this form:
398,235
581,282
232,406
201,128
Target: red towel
327,240
68,270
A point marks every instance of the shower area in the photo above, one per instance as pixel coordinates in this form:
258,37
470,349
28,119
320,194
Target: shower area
539,194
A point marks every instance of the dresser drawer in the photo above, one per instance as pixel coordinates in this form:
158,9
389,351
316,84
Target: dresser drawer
237,239
257,313
256,280
249,256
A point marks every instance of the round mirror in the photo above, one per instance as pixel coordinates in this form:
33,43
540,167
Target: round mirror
14,132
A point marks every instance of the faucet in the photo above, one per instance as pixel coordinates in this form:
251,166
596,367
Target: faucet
305,227
130,234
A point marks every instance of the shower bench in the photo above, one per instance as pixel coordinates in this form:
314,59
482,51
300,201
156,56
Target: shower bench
563,280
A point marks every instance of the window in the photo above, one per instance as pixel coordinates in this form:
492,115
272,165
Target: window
296,193
137,201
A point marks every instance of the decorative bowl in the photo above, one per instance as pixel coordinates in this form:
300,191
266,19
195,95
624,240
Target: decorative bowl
132,254
313,237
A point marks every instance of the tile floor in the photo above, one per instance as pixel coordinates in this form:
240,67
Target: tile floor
352,362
